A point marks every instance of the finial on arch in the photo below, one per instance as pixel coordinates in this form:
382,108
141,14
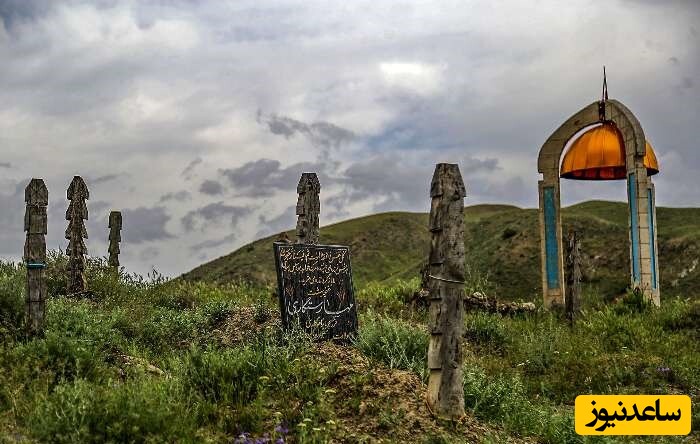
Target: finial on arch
604,96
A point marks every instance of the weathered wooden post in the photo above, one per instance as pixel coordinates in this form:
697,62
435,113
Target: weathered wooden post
76,214
446,292
308,209
115,228
573,275
37,198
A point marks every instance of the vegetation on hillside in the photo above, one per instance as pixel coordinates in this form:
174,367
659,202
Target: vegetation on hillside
149,360
502,243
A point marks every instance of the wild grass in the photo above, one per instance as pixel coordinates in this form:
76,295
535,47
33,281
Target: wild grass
394,342
524,372
143,360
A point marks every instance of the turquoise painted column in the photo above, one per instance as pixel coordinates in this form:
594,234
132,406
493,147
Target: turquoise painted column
634,229
551,244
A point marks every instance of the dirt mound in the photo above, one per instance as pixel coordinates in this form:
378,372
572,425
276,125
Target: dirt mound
378,404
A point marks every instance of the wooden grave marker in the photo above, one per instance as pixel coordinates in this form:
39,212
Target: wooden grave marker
76,215
115,237
446,292
36,195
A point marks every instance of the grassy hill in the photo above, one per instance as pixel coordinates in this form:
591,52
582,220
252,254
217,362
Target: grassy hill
502,243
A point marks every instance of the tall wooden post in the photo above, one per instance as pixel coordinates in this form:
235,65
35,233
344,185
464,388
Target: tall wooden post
446,288
308,209
115,228
37,198
76,214
573,275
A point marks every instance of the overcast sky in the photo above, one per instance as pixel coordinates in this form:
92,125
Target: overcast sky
197,118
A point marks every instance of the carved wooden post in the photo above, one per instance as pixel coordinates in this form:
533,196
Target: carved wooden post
573,275
76,214
37,198
446,288
308,209
115,228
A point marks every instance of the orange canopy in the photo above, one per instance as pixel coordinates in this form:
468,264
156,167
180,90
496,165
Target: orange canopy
599,154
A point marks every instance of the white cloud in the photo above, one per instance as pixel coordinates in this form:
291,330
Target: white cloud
419,78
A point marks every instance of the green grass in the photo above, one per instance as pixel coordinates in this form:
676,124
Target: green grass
523,373
502,243
150,361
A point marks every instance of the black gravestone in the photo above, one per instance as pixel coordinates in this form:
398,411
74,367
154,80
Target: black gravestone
315,289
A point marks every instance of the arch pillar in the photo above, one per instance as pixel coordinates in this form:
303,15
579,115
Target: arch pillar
640,190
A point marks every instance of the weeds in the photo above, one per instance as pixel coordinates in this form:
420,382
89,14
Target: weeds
395,343
90,378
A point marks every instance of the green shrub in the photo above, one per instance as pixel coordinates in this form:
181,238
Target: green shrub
486,329
12,283
388,299
503,399
64,357
214,313
679,314
634,301
139,411
236,384
396,343
230,375
615,331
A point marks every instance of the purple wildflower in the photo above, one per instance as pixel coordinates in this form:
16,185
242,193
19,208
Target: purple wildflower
282,430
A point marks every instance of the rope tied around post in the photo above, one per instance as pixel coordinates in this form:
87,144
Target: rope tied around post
453,281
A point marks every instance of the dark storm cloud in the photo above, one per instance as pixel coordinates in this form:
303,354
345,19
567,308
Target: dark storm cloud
263,177
212,243
397,183
102,179
145,224
213,213
322,134
16,11
189,169
211,188
179,196
283,222
335,207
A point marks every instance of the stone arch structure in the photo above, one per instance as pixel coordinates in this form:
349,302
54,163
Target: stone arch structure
644,267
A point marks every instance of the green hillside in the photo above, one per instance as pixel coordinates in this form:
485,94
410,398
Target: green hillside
502,243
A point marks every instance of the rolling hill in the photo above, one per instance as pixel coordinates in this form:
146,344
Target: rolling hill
502,243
